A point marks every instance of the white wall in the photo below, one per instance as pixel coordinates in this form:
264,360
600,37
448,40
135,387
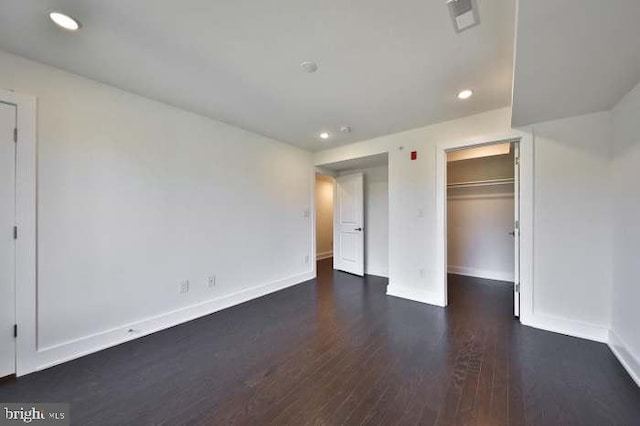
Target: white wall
412,195
572,220
324,216
376,219
135,196
479,219
626,236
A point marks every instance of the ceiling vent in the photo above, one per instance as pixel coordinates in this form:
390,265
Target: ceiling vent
464,14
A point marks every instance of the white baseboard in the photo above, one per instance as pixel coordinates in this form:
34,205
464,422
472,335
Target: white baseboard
376,272
629,361
481,273
416,295
325,255
53,355
568,327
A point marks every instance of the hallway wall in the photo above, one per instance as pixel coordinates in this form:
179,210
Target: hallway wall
324,216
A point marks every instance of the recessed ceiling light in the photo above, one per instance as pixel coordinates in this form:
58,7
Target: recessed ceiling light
64,21
309,67
465,94
324,135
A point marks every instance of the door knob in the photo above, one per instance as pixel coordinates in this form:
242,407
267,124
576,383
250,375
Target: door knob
512,233
358,229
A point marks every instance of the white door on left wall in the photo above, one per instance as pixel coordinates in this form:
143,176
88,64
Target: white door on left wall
7,242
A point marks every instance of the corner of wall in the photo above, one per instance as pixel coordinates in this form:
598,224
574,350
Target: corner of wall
568,327
415,295
630,362
623,336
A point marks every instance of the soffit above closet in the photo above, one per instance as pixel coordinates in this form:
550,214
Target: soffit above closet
573,57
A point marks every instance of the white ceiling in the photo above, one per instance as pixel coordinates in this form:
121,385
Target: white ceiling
385,66
574,57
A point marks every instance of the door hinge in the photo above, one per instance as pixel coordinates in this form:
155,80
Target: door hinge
15,232
15,134
517,160
517,287
15,330
516,224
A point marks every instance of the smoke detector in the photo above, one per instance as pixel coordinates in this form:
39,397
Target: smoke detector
464,14
345,129
309,67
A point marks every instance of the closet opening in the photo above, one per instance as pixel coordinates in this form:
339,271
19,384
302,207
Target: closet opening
482,228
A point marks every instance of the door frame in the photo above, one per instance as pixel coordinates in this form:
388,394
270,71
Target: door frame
525,206
26,255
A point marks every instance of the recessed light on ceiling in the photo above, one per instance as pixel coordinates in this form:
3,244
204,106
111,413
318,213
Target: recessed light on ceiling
64,21
324,135
309,67
465,94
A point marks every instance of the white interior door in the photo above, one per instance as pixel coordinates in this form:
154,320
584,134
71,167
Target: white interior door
516,229
7,243
348,224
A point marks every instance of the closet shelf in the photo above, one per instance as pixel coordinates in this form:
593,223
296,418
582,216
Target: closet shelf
490,182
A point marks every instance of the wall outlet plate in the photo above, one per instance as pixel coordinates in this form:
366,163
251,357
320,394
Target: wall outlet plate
184,286
306,259
211,281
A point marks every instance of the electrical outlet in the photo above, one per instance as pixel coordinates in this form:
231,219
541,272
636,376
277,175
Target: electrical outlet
184,286
422,272
306,259
307,213
212,281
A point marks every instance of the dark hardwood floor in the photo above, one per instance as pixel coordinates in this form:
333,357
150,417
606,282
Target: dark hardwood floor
339,351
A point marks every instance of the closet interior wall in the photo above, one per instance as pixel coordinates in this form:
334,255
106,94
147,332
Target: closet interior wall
480,216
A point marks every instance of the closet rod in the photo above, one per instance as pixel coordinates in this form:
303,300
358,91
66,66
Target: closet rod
489,182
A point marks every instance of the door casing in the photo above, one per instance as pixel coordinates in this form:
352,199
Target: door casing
7,239
516,229
25,220
525,208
